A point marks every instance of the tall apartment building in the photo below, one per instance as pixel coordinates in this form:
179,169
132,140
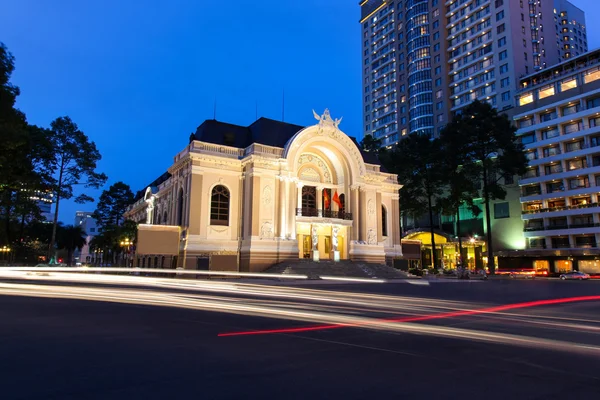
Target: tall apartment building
571,35
424,60
558,120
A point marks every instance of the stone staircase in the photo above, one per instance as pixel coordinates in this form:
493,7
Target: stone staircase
344,268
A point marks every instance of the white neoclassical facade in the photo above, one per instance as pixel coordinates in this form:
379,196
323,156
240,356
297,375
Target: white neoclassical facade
246,198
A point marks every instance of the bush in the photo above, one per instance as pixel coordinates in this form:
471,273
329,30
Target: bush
415,271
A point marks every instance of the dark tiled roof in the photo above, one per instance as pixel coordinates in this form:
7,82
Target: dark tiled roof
264,131
154,184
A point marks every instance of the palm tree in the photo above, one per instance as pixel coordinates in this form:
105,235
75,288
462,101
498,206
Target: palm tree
70,238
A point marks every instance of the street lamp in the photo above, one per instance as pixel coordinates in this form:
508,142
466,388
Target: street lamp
126,243
5,250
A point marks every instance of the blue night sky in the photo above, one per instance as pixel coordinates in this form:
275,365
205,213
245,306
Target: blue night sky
138,76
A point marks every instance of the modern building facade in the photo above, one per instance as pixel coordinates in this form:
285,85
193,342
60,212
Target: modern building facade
571,33
558,120
44,201
245,198
90,227
424,60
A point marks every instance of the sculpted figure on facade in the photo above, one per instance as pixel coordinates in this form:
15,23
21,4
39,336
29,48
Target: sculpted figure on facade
266,230
150,210
326,120
334,235
315,238
372,237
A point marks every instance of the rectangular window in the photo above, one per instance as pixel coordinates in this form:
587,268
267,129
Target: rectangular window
578,163
568,84
551,151
546,92
503,55
553,169
504,68
591,75
527,98
548,116
502,41
500,15
506,96
527,139
501,210
574,146
573,127
593,103
572,109
578,183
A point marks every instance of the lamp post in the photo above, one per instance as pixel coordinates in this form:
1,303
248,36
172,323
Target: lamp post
126,243
5,250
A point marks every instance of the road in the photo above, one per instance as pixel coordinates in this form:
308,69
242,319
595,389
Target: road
146,338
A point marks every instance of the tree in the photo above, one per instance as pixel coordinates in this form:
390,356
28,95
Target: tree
26,157
461,185
369,143
113,203
70,238
416,161
75,164
492,152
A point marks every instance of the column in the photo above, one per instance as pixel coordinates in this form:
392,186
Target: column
395,220
354,191
282,207
334,238
379,215
362,231
314,238
319,201
299,199
292,210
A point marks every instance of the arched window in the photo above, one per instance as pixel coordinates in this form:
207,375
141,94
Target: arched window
180,208
219,206
156,217
383,221
309,201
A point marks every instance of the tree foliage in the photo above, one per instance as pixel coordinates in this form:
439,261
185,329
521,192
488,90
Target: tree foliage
75,162
26,158
69,238
489,152
113,203
416,161
370,144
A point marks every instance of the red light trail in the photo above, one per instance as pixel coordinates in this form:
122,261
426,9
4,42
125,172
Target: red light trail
489,310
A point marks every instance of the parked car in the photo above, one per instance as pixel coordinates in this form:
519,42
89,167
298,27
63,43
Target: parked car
523,274
575,275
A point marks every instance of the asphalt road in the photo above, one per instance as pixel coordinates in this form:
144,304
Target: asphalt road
59,348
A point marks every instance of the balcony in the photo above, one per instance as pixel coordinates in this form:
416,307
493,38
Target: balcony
313,212
531,192
555,227
532,173
552,209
